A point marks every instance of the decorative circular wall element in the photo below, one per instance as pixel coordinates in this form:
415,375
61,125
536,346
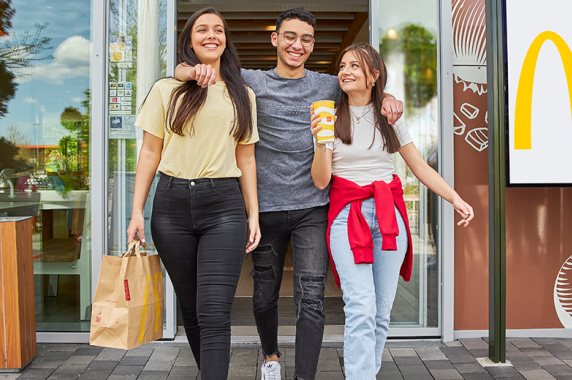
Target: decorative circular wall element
563,294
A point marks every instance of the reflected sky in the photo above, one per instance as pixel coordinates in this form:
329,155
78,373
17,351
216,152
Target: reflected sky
50,85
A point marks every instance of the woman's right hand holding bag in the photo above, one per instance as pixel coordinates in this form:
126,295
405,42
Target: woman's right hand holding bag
136,228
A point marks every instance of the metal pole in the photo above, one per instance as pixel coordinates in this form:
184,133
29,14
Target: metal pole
496,133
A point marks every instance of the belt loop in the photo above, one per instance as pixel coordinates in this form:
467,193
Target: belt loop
212,183
170,181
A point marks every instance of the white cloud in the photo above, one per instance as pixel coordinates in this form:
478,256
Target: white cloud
71,60
76,99
28,100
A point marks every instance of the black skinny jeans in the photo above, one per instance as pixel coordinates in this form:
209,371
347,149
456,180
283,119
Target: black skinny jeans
200,231
306,230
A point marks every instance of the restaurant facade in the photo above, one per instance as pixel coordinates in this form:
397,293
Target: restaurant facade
74,73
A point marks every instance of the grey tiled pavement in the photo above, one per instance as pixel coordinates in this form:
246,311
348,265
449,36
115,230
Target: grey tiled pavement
531,359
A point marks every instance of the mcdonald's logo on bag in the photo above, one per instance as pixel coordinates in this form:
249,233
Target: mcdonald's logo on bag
523,106
155,290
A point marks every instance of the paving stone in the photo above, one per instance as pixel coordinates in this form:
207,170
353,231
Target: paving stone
36,374
475,344
559,370
134,360
455,351
477,376
329,366
158,365
482,353
45,364
415,372
500,372
329,354
57,355
547,360
153,375
395,352
528,364
329,376
241,371
9,376
102,364
95,374
185,361
140,351
127,370
458,359
543,341
246,357
71,371
446,374
535,352
88,351
385,356
184,372
164,354
122,377
438,364
79,359
389,375
407,360
524,343
185,352
111,354
453,344
470,368
537,375
427,354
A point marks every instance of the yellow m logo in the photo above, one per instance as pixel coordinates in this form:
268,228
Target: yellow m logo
523,109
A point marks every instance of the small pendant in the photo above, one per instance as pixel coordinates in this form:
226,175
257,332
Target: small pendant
357,121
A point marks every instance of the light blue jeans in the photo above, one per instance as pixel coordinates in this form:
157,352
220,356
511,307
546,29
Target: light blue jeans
369,291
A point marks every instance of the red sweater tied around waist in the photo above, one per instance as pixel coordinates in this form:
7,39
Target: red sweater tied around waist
386,195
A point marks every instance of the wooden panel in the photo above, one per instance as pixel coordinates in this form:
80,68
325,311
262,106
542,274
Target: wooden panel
359,20
2,306
16,271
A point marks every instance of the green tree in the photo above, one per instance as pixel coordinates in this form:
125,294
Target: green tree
9,156
419,47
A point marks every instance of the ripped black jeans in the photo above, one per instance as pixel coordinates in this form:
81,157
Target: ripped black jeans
307,230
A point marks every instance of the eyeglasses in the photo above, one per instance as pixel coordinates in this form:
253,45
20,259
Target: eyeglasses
291,37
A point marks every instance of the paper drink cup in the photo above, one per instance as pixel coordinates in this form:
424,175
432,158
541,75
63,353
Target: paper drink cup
326,110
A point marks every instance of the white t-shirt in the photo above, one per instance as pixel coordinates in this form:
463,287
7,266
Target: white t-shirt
357,163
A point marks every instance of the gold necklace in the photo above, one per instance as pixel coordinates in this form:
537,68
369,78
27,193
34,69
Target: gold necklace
365,113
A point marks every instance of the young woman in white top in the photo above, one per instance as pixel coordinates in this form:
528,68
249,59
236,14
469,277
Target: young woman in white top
205,210
368,234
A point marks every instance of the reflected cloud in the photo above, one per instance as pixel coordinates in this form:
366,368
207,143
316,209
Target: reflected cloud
71,60
28,100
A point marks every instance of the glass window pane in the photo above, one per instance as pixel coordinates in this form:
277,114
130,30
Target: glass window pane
408,45
137,58
45,124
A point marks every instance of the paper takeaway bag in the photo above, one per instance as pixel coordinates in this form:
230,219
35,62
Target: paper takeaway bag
127,309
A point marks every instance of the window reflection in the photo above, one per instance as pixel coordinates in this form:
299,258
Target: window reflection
408,45
45,122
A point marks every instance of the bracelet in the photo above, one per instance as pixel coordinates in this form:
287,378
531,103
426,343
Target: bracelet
318,145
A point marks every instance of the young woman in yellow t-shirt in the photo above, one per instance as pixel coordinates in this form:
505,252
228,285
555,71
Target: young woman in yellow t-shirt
205,211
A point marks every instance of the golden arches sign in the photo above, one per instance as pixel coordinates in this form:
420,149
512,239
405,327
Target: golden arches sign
523,108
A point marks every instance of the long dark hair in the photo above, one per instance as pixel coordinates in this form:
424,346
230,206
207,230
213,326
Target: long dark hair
369,61
187,100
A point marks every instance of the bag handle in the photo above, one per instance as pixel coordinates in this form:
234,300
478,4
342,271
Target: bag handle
133,249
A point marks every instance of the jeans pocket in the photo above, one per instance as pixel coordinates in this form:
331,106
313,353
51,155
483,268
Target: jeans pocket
227,189
162,186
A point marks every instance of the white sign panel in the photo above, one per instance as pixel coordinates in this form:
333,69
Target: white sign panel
539,56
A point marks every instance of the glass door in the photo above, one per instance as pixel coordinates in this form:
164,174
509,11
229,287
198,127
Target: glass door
406,34
137,57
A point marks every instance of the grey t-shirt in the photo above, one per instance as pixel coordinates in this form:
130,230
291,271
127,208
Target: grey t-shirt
285,151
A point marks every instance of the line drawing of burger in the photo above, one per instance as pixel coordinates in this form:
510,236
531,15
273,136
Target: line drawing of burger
563,294
470,71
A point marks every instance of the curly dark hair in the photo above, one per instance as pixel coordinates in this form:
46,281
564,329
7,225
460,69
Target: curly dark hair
296,13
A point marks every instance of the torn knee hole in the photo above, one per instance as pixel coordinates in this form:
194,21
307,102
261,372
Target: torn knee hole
311,304
263,271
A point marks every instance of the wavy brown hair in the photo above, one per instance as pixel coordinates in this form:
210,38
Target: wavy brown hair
187,99
369,61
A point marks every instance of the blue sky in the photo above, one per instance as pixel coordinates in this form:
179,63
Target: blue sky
56,83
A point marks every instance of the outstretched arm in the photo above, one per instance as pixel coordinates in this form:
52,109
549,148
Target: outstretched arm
205,75
435,182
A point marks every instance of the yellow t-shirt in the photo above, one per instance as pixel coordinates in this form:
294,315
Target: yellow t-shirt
211,151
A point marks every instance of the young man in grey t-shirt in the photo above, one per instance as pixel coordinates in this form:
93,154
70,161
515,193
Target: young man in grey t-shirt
292,209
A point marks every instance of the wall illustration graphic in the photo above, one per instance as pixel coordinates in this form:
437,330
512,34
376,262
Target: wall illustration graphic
563,294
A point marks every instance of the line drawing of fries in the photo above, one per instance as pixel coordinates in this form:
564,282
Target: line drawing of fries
478,139
458,125
470,111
